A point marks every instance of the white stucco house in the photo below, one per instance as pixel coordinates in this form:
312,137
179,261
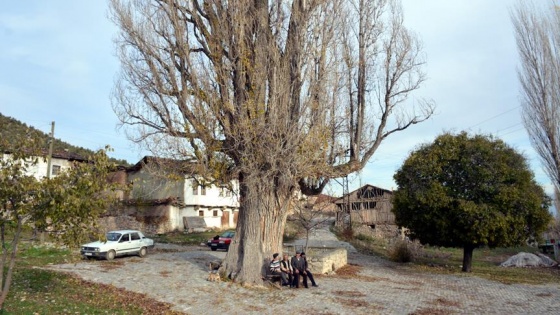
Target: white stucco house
60,161
169,190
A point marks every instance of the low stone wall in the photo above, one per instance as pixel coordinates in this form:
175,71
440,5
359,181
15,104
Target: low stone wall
325,260
122,222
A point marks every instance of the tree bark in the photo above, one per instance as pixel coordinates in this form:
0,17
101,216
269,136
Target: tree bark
9,273
467,257
262,216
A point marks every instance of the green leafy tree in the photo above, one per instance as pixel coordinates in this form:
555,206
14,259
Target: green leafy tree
469,191
66,205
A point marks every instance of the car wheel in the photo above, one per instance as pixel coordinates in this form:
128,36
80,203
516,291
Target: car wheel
110,255
143,251
213,249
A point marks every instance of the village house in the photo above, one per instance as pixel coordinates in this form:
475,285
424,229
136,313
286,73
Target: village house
368,206
60,161
166,195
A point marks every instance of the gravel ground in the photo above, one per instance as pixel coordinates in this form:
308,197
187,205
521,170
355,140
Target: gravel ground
177,275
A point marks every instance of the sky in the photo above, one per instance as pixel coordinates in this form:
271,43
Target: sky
58,63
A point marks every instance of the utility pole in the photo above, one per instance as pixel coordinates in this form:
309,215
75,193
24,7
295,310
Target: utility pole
49,171
346,194
49,157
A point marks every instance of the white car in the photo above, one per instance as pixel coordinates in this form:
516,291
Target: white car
119,243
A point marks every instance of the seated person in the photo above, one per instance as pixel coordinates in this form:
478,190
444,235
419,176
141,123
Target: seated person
276,270
286,268
307,271
298,266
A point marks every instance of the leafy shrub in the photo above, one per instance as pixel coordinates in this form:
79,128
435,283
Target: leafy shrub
347,233
401,251
364,237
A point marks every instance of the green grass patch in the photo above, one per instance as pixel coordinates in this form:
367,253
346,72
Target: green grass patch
486,261
37,255
38,291
180,238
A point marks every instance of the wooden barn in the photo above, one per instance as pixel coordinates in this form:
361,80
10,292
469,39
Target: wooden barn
370,205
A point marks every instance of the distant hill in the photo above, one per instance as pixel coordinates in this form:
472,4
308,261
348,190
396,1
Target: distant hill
13,130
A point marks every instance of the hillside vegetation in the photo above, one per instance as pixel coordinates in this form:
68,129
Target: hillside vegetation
13,130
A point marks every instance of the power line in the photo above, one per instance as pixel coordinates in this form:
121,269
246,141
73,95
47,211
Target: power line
506,128
496,116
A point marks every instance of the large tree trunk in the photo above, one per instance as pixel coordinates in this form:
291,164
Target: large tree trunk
467,257
260,228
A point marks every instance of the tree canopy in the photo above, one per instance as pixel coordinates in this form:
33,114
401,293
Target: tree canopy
537,33
281,95
469,191
66,205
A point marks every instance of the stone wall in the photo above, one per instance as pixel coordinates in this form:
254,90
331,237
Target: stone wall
124,222
326,260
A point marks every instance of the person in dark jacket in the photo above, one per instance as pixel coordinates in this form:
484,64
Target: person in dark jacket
308,272
298,265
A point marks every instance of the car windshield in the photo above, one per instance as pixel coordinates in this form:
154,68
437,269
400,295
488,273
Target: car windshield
228,234
113,236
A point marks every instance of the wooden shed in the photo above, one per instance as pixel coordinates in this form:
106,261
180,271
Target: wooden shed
370,205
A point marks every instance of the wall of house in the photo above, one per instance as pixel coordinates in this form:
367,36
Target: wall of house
213,197
211,200
39,170
148,184
210,219
177,223
381,214
120,177
158,219
122,222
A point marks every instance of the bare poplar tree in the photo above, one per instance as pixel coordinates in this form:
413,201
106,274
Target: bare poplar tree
281,95
537,33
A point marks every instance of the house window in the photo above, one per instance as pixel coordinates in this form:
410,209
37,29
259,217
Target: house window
215,213
194,188
201,213
203,190
55,170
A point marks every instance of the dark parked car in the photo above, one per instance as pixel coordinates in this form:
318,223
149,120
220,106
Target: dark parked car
221,241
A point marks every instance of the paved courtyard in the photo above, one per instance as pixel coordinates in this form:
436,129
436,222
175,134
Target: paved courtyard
178,276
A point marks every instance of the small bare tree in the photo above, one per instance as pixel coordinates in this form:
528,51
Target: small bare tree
538,41
310,217
280,95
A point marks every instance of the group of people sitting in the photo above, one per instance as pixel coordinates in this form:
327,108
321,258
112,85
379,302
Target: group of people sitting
291,270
